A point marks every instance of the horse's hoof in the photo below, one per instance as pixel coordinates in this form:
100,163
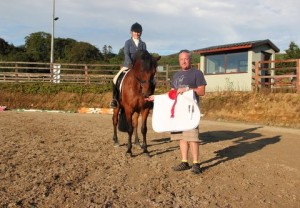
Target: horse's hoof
129,154
147,154
116,145
137,144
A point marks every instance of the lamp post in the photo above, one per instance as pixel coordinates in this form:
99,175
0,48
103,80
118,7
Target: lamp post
52,36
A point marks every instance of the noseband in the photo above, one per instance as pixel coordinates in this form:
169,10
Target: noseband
142,82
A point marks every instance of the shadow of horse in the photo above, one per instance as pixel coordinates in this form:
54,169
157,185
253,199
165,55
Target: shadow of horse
162,141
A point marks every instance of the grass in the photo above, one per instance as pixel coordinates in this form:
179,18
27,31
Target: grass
276,109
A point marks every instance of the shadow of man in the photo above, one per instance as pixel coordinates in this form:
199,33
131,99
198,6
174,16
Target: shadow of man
240,149
216,136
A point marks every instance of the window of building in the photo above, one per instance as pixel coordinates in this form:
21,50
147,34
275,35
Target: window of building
226,63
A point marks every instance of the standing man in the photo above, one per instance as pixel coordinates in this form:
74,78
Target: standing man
188,78
132,45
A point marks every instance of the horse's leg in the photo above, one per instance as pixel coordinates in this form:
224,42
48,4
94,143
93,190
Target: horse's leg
144,131
135,126
130,131
115,119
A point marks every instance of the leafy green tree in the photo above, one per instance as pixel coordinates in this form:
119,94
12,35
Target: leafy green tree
105,50
107,53
62,47
82,52
38,46
121,53
18,54
8,52
293,52
5,48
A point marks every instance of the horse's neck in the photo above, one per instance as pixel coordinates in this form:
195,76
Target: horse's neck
134,74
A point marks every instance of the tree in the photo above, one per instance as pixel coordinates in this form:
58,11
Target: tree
62,47
18,54
5,48
82,52
293,52
107,53
121,52
37,46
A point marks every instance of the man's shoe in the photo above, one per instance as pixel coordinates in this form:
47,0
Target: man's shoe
196,168
181,167
114,103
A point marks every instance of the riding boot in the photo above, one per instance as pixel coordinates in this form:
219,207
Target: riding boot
114,102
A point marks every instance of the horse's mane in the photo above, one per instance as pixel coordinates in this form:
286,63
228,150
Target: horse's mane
145,57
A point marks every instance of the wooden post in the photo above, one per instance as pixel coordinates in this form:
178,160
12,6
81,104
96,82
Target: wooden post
298,76
86,73
256,76
167,73
16,73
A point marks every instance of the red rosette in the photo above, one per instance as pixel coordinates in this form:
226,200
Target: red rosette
172,94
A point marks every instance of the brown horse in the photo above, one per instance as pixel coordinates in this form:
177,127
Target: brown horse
137,85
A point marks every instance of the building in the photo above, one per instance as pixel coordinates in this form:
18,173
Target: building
230,67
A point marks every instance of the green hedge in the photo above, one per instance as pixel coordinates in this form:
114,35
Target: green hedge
48,88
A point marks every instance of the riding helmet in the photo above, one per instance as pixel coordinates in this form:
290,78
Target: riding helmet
136,27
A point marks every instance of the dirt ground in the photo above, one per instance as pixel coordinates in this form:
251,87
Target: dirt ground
68,160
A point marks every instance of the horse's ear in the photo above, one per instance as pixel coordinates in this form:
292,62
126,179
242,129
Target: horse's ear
157,58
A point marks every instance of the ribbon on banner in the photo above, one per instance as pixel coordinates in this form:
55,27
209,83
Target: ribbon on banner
173,96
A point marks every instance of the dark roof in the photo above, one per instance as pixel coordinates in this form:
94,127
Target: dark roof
237,46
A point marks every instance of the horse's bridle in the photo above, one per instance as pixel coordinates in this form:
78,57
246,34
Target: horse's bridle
142,82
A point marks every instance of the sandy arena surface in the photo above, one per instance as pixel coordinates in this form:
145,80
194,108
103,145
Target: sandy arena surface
68,160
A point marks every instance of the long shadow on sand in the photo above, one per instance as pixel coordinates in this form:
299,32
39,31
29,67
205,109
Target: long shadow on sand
245,141
209,137
162,141
216,136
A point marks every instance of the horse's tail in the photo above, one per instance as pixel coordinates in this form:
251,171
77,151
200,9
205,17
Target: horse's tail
122,124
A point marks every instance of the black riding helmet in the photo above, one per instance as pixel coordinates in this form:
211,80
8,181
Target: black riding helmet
136,27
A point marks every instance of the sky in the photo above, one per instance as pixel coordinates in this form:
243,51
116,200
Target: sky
168,25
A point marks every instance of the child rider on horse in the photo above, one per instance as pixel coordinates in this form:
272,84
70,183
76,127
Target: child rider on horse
132,45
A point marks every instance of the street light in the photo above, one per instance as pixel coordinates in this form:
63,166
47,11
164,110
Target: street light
52,36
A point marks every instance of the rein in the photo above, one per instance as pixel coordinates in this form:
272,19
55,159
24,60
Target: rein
142,82
143,72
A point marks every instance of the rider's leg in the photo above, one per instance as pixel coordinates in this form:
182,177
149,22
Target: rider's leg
114,102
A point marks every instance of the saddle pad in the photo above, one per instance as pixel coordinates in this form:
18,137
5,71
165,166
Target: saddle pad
186,113
122,79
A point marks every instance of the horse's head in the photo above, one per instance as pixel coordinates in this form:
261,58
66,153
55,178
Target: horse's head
145,69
